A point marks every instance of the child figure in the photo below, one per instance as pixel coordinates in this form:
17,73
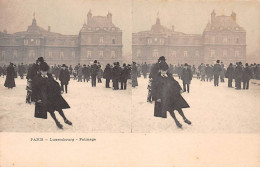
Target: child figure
29,91
166,92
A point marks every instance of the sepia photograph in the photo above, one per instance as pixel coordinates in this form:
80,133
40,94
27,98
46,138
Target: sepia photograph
128,83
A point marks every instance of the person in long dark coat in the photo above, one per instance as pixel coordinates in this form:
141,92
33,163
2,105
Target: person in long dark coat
84,72
107,75
144,70
10,75
238,75
64,77
116,74
186,77
48,95
21,70
124,76
216,72
166,92
247,74
134,75
230,74
93,72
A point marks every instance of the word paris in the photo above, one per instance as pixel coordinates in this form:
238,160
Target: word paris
62,139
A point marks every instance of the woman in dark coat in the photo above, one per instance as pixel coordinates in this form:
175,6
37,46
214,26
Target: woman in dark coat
48,95
107,75
64,77
9,81
166,92
230,74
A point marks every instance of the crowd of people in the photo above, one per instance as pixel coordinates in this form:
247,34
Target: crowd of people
43,89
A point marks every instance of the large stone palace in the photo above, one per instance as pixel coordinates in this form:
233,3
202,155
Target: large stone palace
99,39
222,39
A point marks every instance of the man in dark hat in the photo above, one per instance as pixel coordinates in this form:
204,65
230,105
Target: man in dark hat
247,74
230,74
216,72
48,96
186,77
64,77
166,92
124,76
32,72
116,72
93,72
84,72
21,70
238,75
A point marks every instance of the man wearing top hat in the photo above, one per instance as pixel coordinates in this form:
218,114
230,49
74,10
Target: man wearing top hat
64,77
93,72
186,77
216,72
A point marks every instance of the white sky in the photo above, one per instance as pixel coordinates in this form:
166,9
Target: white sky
67,16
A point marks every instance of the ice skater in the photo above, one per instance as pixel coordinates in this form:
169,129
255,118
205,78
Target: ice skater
48,95
166,92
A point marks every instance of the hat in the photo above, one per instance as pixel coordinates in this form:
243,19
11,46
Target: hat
162,58
44,66
218,61
63,65
40,59
186,64
246,64
134,62
117,63
95,61
124,65
163,66
84,65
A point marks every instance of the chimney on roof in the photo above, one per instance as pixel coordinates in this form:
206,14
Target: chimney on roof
213,15
109,17
172,27
234,16
49,28
89,17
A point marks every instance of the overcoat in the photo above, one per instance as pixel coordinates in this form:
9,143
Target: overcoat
64,76
168,90
9,81
49,92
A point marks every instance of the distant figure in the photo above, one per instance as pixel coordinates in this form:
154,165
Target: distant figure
134,75
80,73
124,76
64,77
238,75
116,74
246,76
107,75
230,74
99,74
186,77
166,92
222,73
10,75
203,72
93,73
145,70
21,70
216,72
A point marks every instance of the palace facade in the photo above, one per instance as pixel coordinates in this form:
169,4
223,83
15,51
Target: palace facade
222,39
99,39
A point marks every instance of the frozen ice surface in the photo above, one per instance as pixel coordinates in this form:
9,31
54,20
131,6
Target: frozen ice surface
100,110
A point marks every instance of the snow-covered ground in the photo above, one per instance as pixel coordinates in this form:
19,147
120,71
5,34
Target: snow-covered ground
93,110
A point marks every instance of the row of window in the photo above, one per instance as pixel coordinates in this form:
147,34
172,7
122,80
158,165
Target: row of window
26,41
98,28
156,40
185,53
224,39
224,53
